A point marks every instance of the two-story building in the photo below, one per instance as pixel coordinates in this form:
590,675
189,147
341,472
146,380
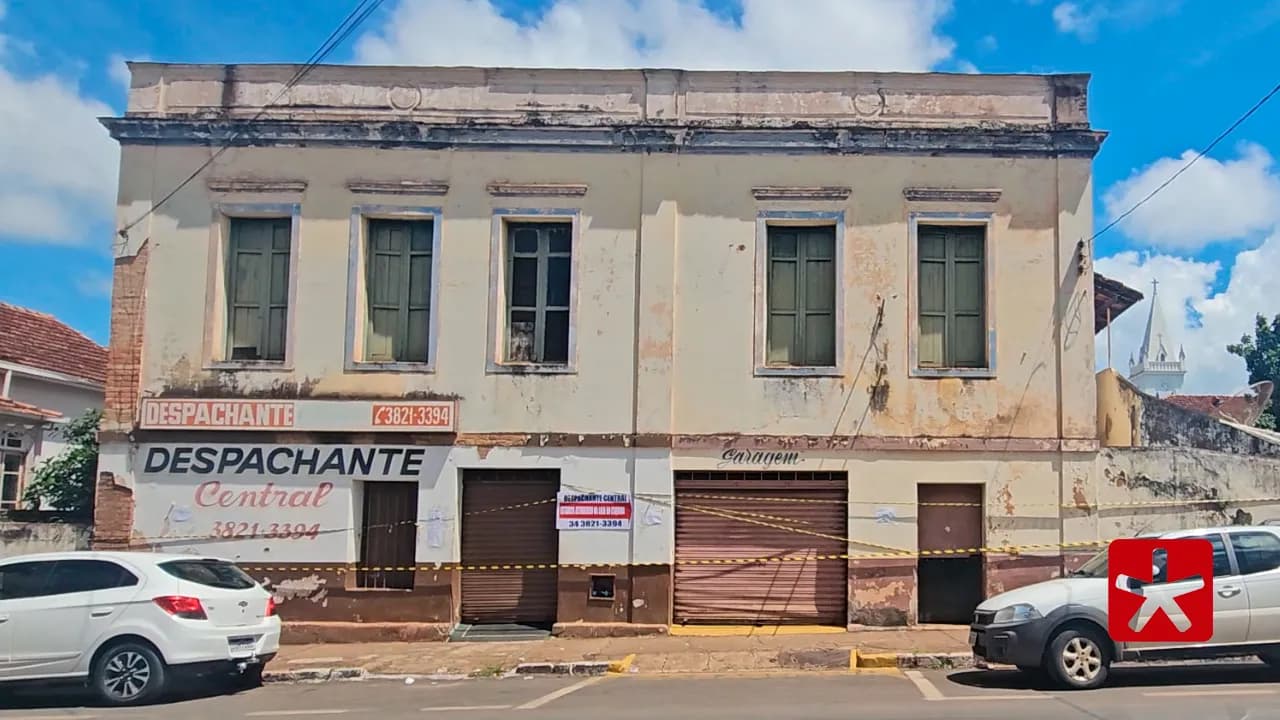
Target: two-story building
614,350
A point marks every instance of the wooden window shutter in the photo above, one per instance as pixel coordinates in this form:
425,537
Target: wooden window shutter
800,322
258,288
398,292
952,296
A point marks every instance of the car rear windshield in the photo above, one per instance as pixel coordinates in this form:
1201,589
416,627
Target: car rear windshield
213,573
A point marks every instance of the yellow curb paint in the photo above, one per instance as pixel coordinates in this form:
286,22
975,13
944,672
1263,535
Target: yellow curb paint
853,660
623,665
877,660
753,630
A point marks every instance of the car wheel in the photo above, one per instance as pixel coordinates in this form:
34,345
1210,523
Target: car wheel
129,674
1077,660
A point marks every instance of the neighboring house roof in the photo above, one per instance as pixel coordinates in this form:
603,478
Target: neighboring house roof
1113,294
13,407
1240,408
44,342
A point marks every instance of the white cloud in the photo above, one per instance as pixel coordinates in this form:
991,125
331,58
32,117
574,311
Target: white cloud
827,34
1212,201
1084,18
58,165
1221,318
118,70
94,284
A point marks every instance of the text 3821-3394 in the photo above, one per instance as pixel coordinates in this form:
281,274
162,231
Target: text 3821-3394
282,531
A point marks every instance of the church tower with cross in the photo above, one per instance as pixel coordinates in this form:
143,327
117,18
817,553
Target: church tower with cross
1157,371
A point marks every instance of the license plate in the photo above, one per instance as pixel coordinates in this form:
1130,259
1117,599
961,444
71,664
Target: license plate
242,642
973,638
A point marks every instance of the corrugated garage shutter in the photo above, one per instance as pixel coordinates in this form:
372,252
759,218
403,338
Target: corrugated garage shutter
800,591
513,535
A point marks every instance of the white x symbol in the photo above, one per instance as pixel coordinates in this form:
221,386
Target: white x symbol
1167,603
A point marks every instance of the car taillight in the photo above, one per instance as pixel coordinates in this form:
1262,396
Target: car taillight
182,606
271,606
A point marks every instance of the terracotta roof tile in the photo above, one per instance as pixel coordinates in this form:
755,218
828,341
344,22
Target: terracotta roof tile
13,407
42,341
1231,407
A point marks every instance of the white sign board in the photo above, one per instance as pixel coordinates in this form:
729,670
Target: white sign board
308,415
266,503
593,511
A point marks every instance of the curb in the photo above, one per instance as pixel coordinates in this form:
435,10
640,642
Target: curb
565,668
315,675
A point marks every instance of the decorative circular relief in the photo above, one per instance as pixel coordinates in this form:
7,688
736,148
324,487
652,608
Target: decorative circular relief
404,98
869,104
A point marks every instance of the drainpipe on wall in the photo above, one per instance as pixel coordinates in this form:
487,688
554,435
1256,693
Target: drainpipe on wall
4,389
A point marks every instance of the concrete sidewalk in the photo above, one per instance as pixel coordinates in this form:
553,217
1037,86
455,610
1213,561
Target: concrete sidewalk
764,649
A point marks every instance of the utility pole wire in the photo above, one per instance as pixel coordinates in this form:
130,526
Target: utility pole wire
353,20
1258,105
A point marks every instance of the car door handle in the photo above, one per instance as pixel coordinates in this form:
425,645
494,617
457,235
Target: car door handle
101,612
4,618
1227,591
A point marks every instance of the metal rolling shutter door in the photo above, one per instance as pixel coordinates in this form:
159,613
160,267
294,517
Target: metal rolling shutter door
801,591
520,535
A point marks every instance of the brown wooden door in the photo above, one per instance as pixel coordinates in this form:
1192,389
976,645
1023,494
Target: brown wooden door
388,537
509,518
950,586
737,516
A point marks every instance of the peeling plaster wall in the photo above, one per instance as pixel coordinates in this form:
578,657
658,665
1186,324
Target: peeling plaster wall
23,538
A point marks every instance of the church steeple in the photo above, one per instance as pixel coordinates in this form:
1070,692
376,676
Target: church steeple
1156,371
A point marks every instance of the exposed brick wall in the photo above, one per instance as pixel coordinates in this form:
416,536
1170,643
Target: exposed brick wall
124,352
113,504
112,514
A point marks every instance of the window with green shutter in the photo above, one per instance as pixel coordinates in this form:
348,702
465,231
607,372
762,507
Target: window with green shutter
801,289
952,297
539,269
398,291
258,288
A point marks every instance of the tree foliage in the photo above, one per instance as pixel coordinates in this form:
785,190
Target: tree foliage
1261,354
66,482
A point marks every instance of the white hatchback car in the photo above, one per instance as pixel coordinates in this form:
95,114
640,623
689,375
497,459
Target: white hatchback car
126,622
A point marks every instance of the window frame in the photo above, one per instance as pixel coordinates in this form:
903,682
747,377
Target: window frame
357,287
21,451
985,220
218,322
499,256
797,218
1230,537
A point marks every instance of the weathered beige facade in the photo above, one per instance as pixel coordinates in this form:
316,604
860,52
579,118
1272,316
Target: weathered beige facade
672,185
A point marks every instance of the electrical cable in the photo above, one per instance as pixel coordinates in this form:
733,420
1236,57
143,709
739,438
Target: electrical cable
353,20
1222,136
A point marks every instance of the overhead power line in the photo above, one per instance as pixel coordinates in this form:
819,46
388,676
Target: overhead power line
353,20
1208,148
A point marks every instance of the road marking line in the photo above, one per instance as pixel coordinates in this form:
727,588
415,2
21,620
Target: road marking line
1207,693
999,697
552,696
288,713
53,717
457,708
922,683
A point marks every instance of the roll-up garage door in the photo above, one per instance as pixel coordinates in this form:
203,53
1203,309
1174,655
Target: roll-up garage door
509,518
791,518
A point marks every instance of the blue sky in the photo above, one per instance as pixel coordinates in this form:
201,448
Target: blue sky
1168,75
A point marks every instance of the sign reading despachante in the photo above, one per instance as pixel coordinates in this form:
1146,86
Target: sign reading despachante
268,503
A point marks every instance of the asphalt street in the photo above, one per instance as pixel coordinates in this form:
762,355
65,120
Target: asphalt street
1237,692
